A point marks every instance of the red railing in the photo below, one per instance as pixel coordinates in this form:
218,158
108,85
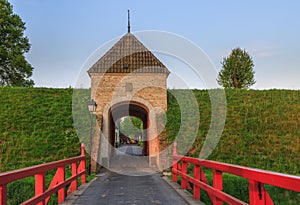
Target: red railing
256,180
57,185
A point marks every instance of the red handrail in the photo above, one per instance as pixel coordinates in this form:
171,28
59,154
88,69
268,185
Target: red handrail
58,184
256,179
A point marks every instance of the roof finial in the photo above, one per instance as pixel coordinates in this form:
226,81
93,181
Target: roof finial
128,21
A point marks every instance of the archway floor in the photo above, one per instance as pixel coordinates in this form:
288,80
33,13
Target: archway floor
128,160
132,150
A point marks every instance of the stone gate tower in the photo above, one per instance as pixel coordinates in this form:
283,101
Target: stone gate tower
128,81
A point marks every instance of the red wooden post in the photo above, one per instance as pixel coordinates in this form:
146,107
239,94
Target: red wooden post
61,178
253,192
175,164
218,184
40,186
258,195
82,165
83,177
74,173
175,168
197,177
73,186
184,182
175,149
82,150
3,194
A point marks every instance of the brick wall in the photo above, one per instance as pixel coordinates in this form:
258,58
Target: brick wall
147,89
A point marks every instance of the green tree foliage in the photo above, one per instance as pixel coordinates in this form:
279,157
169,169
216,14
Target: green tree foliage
237,70
14,69
131,126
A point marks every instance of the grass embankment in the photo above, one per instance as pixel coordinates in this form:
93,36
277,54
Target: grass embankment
36,127
262,130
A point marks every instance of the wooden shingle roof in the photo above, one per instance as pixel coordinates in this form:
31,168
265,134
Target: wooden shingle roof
128,55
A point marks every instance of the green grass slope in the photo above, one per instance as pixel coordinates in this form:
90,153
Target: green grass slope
36,127
262,128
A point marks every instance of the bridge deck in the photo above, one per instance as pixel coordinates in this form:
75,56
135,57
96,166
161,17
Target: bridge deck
136,185
115,189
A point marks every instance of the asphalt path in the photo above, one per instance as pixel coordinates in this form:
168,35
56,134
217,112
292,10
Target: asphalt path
117,189
128,160
130,181
133,150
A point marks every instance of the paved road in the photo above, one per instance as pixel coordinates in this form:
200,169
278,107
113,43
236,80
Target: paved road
128,160
129,150
116,189
130,181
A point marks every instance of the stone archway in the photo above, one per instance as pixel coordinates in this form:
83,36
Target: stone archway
125,109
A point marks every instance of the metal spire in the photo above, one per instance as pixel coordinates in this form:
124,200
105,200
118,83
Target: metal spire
128,21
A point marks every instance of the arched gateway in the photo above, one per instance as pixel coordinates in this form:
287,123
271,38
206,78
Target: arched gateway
128,81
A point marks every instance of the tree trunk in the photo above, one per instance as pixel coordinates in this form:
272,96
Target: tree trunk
235,81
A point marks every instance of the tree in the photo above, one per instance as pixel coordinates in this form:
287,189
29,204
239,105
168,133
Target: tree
14,69
131,126
237,70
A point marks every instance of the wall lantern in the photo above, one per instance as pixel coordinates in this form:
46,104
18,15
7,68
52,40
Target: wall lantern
92,106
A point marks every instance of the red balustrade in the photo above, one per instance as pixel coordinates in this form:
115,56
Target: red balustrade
57,185
256,180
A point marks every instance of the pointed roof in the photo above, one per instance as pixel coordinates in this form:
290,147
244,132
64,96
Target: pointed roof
128,55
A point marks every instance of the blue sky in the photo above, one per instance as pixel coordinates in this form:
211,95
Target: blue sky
64,33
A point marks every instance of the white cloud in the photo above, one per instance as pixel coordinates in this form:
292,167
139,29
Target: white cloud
263,51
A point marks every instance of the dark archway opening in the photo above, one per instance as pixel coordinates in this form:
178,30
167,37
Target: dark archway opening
122,111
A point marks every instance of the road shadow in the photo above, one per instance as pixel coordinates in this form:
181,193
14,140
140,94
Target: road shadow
128,160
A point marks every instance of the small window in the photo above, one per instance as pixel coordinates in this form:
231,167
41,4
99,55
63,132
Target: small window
128,87
126,66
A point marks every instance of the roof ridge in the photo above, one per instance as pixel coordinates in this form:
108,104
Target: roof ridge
128,55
